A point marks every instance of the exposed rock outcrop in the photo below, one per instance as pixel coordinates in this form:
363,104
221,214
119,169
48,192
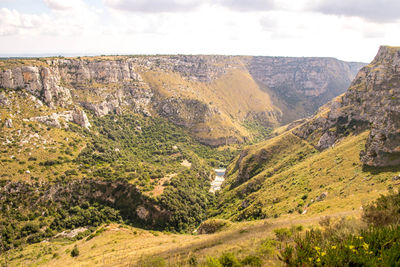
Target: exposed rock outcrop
313,80
8,123
57,120
372,102
184,112
42,82
79,117
120,84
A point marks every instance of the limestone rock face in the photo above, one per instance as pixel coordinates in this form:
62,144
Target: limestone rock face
42,82
180,88
372,102
184,112
314,80
79,117
56,120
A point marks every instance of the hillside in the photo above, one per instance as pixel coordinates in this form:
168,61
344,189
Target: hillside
343,157
134,140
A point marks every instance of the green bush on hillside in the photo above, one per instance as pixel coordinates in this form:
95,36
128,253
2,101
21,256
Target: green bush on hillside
344,244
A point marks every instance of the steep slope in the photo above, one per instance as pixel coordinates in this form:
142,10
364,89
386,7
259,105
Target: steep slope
372,103
302,85
338,159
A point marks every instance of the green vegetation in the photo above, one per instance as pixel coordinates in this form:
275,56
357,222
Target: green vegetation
258,130
212,226
75,251
142,150
350,243
73,187
287,175
30,216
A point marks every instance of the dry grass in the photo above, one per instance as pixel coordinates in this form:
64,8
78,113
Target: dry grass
30,142
125,246
337,171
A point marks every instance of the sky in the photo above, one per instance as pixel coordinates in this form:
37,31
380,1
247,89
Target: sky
350,30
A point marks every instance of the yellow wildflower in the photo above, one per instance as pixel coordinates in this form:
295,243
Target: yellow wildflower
365,246
323,254
318,260
333,247
317,248
351,247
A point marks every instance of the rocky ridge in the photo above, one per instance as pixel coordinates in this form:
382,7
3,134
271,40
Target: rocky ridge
314,81
371,102
107,85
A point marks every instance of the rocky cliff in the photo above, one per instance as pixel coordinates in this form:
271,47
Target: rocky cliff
211,95
344,154
310,82
371,102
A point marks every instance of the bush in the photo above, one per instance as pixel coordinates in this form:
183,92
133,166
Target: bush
384,211
282,234
212,226
75,251
373,247
252,260
346,243
267,247
229,260
152,262
212,262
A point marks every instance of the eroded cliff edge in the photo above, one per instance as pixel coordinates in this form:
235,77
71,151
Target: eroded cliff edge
371,102
211,95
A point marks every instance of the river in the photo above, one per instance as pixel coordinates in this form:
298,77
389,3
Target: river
218,180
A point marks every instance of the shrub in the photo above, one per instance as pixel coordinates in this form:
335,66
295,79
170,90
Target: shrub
152,262
345,243
193,260
212,262
212,226
252,260
267,247
373,247
227,259
282,234
75,251
384,211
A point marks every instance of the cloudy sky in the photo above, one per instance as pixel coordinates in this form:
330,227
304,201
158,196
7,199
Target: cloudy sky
345,29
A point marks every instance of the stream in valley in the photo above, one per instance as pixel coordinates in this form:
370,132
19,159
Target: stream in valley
218,180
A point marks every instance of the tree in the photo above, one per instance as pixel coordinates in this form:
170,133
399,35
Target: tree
75,251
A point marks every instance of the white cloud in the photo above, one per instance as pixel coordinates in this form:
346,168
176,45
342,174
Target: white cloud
249,5
172,6
153,6
64,5
13,23
372,10
279,27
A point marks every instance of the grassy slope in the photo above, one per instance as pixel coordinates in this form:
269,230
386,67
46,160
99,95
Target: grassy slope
30,143
337,171
126,246
234,94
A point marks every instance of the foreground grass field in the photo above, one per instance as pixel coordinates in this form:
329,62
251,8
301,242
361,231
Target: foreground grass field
120,245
